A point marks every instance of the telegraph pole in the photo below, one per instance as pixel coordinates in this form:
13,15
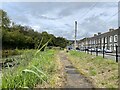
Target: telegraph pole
75,34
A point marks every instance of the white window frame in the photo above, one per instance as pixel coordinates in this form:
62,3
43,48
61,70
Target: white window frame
115,46
105,39
102,40
115,36
111,38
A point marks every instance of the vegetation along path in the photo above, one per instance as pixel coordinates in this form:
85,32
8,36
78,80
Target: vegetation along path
73,78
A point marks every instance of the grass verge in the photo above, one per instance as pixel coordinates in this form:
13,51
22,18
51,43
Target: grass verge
103,73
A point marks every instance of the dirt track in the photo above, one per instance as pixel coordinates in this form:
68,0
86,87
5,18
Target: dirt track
73,78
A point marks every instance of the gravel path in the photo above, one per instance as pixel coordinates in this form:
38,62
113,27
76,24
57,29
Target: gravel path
73,78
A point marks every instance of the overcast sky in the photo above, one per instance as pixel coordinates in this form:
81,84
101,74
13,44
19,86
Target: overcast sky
58,17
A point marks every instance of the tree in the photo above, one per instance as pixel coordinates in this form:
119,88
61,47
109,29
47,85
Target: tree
4,20
61,42
18,36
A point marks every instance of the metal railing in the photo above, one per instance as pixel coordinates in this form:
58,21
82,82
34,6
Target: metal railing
104,51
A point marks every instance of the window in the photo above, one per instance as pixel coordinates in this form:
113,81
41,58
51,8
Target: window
115,46
99,40
94,41
105,46
111,46
105,39
102,46
111,38
115,38
102,40
90,42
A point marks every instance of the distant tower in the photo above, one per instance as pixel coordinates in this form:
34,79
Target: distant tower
75,34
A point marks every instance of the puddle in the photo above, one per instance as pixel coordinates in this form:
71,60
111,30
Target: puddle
72,71
69,66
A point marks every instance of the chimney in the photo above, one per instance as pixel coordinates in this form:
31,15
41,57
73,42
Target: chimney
111,30
99,33
95,35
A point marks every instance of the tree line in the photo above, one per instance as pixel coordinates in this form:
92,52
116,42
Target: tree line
24,37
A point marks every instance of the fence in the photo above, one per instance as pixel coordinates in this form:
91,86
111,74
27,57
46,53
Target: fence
113,51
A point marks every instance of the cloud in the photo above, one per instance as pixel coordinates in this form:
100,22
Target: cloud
94,24
49,18
58,17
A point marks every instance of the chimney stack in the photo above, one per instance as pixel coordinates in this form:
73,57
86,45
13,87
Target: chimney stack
111,30
99,33
95,35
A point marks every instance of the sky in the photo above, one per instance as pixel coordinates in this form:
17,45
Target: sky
58,18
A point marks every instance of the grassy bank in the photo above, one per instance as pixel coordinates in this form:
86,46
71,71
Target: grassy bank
103,73
6,53
35,70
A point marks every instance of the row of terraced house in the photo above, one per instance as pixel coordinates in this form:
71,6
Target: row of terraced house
108,39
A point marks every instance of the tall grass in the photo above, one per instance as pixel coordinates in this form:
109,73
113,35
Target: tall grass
31,72
35,68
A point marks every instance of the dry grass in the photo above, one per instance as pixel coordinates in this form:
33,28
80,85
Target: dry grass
58,79
103,73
